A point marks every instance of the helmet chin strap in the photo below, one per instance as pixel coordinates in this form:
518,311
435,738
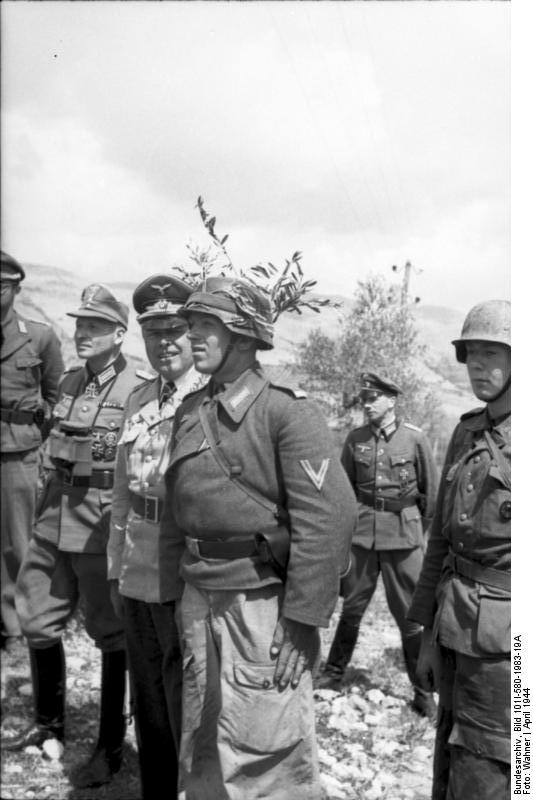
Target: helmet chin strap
229,349
505,387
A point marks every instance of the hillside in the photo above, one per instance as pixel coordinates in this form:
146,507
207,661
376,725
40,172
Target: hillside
49,292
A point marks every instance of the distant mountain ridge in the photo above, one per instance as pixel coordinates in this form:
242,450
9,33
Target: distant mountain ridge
49,292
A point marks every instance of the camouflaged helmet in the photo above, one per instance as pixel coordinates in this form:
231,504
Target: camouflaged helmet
486,322
238,304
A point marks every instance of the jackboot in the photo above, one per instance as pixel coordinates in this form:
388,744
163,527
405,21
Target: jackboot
339,656
423,702
48,680
107,756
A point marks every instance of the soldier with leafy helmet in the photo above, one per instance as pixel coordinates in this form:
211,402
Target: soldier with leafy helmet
257,523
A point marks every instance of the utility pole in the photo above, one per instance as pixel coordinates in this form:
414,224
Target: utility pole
405,282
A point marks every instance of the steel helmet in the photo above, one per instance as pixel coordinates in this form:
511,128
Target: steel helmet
486,322
238,304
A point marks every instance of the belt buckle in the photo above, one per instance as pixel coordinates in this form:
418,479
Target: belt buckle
193,546
151,507
379,503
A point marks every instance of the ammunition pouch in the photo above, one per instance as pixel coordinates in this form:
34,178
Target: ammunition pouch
273,548
70,446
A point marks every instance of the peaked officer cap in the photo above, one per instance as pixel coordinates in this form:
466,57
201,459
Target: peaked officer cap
238,304
98,301
378,383
11,270
160,295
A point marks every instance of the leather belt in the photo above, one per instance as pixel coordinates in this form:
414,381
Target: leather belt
477,572
148,507
229,548
101,479
385,503
23,417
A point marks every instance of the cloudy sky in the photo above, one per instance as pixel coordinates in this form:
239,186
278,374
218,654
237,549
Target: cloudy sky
364,134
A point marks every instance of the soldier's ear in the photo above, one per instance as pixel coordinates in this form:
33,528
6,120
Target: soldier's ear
120,332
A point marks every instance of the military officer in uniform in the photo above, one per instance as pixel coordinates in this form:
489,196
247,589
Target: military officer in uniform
31,369
66,558
154,657
260,513
393,473
463,595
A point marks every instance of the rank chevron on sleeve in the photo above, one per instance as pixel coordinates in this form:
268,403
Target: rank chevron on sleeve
317,478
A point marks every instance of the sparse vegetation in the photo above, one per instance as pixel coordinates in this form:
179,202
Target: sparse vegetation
371,745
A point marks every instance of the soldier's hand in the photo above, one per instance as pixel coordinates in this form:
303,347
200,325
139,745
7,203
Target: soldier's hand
428,668
296,646
116,599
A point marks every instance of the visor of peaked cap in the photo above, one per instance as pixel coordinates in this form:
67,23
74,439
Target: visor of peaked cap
160,295
98,301
10,269
378,383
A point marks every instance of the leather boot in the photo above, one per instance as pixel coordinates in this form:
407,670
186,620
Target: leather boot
423,702
107,756
340,654
48,679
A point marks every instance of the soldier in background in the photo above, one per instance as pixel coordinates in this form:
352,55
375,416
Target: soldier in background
393,473
31,369
259,514
154,656
463,596
66,558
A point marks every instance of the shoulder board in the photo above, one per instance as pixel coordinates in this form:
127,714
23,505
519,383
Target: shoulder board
412,427
145,375
68,370
293,391
36,321
473,413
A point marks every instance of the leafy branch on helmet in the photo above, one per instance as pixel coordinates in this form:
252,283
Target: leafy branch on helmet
287,292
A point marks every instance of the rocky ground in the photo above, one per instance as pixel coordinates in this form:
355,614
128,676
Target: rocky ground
371,744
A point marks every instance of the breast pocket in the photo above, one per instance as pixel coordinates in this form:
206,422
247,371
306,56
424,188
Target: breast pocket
364,466
29,369
403,469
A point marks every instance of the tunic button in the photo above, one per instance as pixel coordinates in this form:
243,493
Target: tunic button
476,459
460,546
112,424
148,458
380,452
380,490
266,683
470,487
463,516
85,408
